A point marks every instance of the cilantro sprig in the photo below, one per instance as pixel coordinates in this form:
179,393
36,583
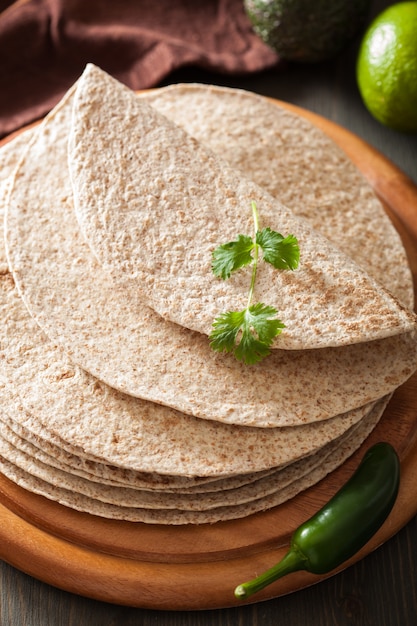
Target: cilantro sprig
250,333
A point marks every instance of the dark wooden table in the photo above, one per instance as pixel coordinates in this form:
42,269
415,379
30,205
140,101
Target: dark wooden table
380,590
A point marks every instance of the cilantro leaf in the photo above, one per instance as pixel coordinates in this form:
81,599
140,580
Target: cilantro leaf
226,328
282,253
248,333
231,256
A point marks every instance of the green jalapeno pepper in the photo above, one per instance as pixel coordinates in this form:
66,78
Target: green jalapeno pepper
343,525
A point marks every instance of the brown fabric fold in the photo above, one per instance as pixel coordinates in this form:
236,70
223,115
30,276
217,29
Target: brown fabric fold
45,44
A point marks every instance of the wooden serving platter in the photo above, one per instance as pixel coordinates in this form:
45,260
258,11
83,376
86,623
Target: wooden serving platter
197,567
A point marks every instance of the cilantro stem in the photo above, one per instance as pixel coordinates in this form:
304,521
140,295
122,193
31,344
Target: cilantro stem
255,216
250,333
255,254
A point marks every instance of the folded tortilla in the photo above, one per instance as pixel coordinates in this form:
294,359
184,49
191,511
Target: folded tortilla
153,204
299,165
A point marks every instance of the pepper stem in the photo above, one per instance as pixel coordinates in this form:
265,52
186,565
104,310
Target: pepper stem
292,562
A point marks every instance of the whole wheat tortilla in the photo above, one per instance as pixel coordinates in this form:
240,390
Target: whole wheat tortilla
299,165
10,155
275,147
129,432
56,456
262,493
26,456
81,502
153,204
56,453
112,335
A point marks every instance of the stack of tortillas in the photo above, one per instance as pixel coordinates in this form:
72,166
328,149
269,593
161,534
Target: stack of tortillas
113,401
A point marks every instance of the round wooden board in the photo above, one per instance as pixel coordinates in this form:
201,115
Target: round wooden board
197,567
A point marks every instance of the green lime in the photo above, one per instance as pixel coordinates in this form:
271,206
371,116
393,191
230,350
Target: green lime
387,67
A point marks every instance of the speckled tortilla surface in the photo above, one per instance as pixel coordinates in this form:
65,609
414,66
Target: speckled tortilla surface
109,408
153,204
109,331
72,494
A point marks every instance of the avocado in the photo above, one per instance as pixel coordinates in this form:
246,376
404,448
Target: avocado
307,30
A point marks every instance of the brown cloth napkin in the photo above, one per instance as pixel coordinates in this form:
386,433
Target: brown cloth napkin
45,45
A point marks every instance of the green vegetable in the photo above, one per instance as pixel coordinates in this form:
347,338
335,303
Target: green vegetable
307,30
249,347
342,526
250,333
